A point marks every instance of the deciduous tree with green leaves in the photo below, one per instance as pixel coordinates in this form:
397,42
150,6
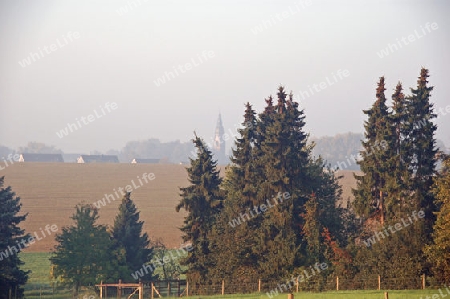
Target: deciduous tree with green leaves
82,254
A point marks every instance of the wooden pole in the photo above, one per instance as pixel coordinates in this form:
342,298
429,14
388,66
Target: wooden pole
379,282
423,281
259,285
223,287
152,290
187,288
337,283
297,284
119,289
386,295
101,289
141,290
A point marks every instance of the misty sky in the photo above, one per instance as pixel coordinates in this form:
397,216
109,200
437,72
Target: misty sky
169,67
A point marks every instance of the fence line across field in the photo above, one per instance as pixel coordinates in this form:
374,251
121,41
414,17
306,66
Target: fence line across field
181,288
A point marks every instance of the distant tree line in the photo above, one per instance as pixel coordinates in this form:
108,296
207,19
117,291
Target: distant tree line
240,230
169,152
336,150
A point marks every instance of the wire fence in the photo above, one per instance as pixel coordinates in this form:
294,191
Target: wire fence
181,288
314,284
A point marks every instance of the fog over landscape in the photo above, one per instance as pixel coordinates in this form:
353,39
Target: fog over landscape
110,72
241,149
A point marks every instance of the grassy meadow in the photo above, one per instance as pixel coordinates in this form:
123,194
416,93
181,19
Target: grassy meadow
40,286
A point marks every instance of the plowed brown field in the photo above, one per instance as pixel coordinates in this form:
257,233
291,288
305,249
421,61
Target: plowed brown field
50,191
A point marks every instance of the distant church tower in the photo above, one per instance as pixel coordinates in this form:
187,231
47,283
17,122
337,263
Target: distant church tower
219,142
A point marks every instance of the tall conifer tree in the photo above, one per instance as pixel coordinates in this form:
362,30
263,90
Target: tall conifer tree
233,246
202,200
398,165
421,145
130,245
12,278
370,192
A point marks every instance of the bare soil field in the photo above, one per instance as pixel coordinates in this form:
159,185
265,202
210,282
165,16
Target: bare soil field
50,191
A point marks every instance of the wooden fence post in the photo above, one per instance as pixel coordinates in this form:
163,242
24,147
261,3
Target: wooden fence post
297,284
386,295
101,289
153,292
223,287
379,282
259,285
141,290
119,289
337,283
187,288
423,281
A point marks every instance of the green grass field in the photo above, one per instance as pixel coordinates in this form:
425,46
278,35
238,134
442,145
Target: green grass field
40,286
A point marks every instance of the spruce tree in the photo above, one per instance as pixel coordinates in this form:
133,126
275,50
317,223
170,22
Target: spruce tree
279,167
259,231
202,200
130,245
399,175
284,161
82,254
421,146
240,177
370,192
12,240
396,182
231,243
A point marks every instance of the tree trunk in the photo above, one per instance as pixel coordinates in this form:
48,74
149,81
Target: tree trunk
381,208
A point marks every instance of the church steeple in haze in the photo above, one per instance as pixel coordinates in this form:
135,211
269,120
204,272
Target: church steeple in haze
219,142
